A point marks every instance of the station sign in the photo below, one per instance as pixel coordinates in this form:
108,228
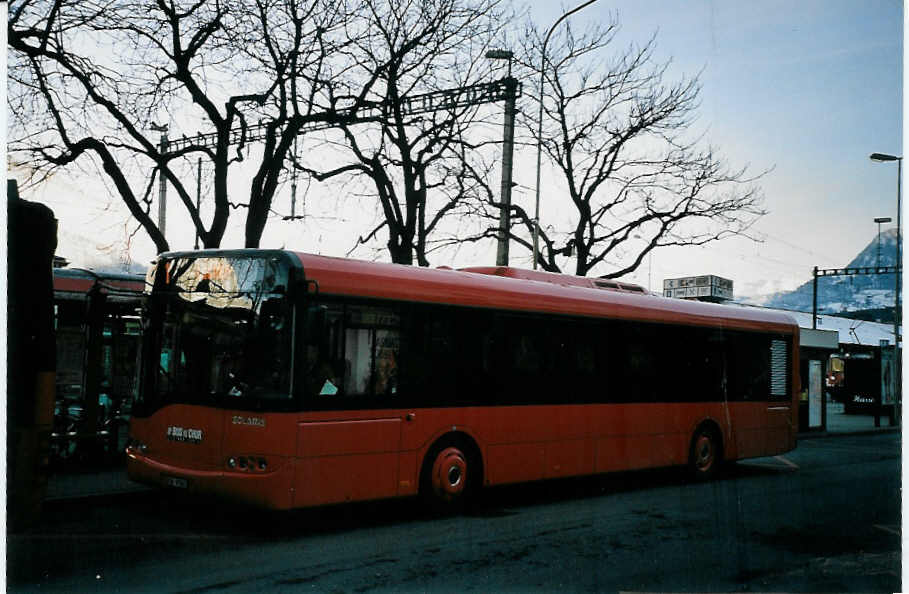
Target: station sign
706,287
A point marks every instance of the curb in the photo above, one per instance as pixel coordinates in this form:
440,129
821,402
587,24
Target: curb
97,495
826,434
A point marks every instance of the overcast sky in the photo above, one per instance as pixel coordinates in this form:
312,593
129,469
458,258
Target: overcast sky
809,89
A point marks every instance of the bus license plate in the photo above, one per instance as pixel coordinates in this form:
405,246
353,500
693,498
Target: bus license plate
176,482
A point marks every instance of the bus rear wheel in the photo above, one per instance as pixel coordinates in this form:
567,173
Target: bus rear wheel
448,477
706,454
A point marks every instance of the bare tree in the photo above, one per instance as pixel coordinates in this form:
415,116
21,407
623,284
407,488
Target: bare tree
90,79
409,154
621,140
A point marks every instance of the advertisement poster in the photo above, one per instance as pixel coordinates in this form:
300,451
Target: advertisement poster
815,390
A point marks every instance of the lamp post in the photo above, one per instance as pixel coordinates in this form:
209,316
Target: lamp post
880,220
507,156
882,158
536,211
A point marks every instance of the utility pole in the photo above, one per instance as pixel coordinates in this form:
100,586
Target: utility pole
198,194
162,192
507,184
511,87
862,270
293,184
897,311
814,299
880,220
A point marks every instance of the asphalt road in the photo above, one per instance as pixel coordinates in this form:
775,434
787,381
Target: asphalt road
824,517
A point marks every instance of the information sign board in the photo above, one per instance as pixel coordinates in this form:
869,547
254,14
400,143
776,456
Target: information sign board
709,287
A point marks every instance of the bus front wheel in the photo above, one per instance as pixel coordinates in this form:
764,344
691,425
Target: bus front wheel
706,454
448,477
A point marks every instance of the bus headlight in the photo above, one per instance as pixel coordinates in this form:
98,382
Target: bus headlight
134,445
248,463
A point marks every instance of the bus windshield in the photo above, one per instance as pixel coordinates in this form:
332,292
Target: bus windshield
220,333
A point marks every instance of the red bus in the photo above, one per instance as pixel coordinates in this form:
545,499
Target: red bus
288,380
97,320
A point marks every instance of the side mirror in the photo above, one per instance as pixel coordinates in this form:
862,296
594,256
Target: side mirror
315,323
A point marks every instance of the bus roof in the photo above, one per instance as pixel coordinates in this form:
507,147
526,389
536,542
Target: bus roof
515,289
567,280
339,276
78,280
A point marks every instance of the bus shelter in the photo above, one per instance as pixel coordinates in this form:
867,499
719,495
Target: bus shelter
860,375
816,346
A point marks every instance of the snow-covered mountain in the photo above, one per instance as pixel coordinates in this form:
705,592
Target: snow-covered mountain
838,294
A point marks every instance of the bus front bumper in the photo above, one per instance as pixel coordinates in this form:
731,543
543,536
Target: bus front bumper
272,489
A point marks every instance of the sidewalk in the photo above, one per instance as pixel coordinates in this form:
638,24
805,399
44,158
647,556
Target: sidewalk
839,423
90,483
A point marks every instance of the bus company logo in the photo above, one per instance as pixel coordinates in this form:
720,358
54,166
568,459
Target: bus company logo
251,421
183,435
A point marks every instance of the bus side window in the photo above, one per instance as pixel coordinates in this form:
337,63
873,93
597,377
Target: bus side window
358,360
692,369
372,340
526,361
387,347
715,362
427,357
577,374
751,364
324,365
638,363
474,357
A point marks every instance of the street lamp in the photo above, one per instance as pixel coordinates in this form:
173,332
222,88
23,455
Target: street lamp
649,263
883,158
501,55
880,220
536,213
507,156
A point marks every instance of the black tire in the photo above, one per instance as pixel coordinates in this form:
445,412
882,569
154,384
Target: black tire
705,455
